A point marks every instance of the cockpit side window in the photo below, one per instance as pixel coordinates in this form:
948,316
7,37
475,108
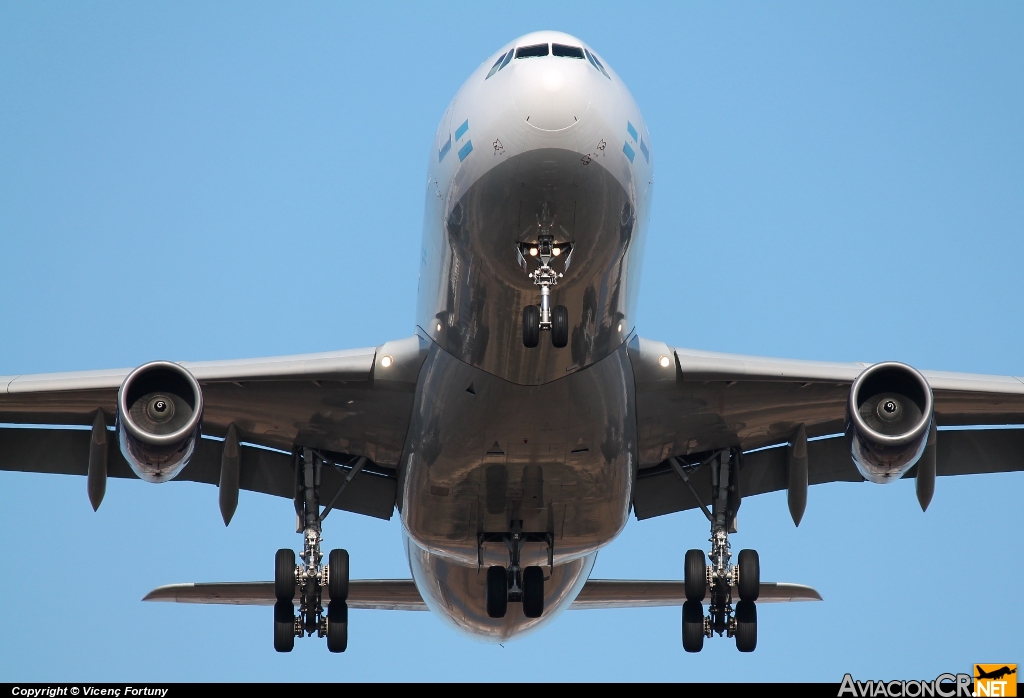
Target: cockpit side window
566,51
597,64
508,57
497,64
534,51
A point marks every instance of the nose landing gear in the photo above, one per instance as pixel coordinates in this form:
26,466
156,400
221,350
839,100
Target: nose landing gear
545,316
716,582
310,577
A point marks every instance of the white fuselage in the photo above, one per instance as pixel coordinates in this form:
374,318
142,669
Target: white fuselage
502,432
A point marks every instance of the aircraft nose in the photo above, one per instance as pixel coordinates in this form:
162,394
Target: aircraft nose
547,95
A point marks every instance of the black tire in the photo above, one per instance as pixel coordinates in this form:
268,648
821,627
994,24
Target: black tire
497,591
531,326
693,626
695,576
533,592
746,625
750,575
559,326
337,575
337,626
284,626
284,576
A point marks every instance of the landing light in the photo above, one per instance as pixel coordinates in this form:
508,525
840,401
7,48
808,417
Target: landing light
533,251
664,362
439,327
386,362
556,251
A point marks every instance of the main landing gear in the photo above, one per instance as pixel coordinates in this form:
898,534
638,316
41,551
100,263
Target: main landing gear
310,577
545,317
516,583
719,581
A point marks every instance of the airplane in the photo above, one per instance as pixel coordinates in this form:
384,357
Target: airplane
996,673
525,419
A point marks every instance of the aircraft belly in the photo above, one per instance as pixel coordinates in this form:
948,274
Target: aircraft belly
483,452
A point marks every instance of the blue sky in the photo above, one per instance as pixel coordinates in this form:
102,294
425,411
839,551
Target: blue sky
838,181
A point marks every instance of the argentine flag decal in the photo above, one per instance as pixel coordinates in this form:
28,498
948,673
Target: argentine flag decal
466,148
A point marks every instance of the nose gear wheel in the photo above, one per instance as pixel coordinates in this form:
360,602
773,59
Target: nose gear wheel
531,326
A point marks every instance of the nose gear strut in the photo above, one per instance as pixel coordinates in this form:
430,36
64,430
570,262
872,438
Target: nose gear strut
718,581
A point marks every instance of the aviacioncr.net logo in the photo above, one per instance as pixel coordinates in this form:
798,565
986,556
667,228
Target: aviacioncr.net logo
942,686
995,680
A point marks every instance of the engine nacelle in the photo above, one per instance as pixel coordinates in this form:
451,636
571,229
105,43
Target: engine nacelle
888,419
159,408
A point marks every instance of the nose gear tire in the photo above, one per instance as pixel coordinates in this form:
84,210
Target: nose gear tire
533,592
746,625
559,326
337,626
284,576
531,326
284,626
695,577
337,575
497,591
750,575
693,626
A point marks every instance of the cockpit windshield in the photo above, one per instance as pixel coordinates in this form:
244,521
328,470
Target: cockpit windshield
534,51
539,50
566,51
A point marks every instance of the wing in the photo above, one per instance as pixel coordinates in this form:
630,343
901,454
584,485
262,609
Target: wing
691,402
344,403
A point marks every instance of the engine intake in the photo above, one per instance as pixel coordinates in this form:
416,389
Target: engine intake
888,419
159,408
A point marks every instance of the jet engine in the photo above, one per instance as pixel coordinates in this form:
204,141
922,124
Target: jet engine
159,408
888,419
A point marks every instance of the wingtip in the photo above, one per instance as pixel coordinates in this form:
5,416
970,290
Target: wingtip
812,594
790,592
168,592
